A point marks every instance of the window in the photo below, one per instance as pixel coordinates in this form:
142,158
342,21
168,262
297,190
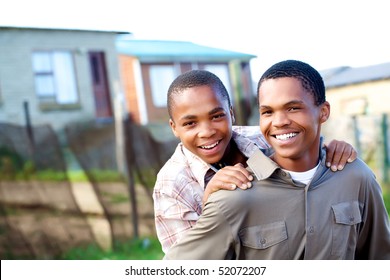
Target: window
355,106
55,77
161,76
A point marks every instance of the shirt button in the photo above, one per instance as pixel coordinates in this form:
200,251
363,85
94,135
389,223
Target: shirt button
311,229
263,241
351,219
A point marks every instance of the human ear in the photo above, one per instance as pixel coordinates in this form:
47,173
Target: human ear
173,127
232,115
325,112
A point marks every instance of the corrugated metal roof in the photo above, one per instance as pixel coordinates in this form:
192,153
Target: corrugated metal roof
328,74
157,50
349,75
62,28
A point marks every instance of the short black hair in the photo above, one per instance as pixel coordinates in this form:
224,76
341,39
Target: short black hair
195,78
310,78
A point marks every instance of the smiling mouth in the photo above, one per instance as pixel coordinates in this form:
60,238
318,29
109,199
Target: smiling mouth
285,136
209,147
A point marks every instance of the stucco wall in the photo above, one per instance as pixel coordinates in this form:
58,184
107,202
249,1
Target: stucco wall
370,98
17,78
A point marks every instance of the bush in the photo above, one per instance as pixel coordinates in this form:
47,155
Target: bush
10,163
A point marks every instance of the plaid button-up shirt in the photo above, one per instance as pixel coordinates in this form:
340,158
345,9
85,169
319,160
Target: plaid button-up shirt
180,185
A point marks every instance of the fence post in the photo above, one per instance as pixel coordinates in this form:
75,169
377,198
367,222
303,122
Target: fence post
30,133
130,163
386,148
356,134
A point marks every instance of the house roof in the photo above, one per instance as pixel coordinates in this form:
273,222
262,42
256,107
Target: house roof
164,51
342,76
60,28
328,74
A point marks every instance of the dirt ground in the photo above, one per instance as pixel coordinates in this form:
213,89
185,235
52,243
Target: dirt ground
42,219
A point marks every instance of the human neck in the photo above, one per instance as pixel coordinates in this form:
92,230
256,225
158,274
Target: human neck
233,155
301,164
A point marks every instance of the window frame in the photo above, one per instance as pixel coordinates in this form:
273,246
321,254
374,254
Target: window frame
52,100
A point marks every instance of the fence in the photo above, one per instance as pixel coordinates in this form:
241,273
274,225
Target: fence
42,219
369,135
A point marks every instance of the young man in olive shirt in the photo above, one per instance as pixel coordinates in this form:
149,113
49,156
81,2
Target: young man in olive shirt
297,208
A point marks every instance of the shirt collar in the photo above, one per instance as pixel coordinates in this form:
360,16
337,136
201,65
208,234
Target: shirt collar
199,168
263,167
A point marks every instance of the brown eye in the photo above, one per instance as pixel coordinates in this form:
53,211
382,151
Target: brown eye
219,116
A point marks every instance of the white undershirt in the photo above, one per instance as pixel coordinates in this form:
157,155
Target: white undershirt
304,177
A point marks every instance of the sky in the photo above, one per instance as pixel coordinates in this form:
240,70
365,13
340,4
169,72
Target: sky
323,33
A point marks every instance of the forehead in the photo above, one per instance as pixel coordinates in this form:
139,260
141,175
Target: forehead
283,90
197,100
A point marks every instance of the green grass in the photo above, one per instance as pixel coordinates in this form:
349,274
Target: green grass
138,249
97,175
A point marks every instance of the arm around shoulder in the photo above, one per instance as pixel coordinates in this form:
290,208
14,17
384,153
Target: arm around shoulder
209,239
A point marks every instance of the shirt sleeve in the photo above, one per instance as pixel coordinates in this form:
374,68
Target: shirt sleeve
374,236
209,239
253,133
177,208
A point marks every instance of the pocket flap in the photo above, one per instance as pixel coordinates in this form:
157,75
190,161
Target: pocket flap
263,236
347,213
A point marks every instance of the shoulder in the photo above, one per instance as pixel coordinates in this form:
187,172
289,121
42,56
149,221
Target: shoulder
177,166
357,169
177,178
250,133
247,130
175,163
355,176
231,200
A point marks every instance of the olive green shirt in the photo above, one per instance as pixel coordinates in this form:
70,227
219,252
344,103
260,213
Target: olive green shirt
338,215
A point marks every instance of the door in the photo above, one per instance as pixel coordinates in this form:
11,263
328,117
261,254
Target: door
100,85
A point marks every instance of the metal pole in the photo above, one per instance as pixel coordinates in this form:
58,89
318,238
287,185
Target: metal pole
386,148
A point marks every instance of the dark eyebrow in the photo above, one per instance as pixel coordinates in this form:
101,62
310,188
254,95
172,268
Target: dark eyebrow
216,110
265,107
292,102
188,117
212,112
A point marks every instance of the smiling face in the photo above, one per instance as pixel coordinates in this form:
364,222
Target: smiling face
291,122
202,120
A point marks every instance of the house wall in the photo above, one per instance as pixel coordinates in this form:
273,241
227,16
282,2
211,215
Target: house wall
138,90
128,77
17,77
365,98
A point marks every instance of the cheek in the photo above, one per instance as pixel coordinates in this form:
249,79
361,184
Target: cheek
264,124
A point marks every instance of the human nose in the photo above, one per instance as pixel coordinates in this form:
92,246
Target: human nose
206,130
280,119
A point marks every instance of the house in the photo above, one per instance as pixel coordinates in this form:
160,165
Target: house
57,76
358,91
148,67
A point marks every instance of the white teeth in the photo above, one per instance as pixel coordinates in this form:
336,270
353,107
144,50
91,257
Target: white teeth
210,146
285,136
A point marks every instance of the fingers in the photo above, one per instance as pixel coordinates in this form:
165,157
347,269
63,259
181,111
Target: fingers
338,154
231,177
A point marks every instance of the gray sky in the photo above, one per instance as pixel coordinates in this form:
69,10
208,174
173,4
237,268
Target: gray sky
324,33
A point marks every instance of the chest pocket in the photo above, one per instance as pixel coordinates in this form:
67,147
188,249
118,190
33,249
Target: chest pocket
347,216
263,236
